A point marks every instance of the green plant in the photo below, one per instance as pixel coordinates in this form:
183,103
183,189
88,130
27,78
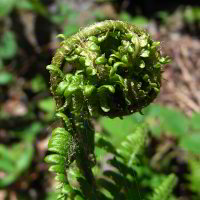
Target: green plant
137,20
7,6
8,49
192,14
172,122
16,159
116,72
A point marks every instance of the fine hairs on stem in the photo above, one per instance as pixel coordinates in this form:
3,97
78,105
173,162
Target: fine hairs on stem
116,71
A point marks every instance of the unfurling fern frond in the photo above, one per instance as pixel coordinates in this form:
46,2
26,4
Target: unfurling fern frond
116,71
165,189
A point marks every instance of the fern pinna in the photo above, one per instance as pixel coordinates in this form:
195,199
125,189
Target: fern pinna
115,71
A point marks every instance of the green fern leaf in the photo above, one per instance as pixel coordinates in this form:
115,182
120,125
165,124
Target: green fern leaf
133,146
164,191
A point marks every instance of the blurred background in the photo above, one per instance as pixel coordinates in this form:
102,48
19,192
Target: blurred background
28,30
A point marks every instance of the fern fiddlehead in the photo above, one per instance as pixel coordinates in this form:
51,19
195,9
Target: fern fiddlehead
116,71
